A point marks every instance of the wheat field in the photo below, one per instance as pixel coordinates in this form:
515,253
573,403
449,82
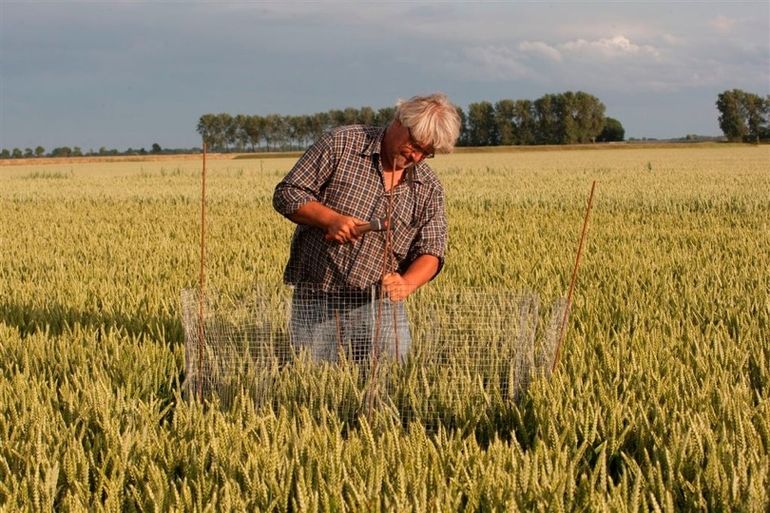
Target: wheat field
661,401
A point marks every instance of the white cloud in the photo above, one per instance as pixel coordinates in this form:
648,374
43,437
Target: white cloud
613,47
538,48
630,65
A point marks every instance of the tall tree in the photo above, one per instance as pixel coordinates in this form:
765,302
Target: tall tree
229,131
275,131
350,116
504,121
464,139
568,114
366,116
240,137
209,130
764,132
524,122
253,128
589,117
743,116
384,116
320,122
336,118
481,124
756,109
732,117
297,130
546,119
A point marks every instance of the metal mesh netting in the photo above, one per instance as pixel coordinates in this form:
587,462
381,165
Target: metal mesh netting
352,352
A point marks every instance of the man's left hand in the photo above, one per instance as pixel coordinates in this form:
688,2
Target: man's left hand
396,288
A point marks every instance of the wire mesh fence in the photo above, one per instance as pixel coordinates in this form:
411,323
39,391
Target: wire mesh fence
440,357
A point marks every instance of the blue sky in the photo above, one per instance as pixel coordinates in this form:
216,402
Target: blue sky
128,73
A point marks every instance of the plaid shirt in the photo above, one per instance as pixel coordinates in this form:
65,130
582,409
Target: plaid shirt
342,170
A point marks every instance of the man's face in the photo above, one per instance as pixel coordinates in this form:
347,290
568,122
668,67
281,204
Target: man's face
406,149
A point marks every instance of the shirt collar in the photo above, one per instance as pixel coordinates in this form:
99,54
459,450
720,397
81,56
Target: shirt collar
373,146
373,143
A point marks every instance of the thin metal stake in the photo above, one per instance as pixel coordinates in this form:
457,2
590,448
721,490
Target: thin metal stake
563,328
202,279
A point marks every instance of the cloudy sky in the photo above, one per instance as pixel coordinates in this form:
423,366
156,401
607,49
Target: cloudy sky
131,73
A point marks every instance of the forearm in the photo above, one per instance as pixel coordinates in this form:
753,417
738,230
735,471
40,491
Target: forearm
314,213
421,270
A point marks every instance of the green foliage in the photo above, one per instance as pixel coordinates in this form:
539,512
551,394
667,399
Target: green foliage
62,151
482,128
612,131
564,118
743,116
224,132
568,118
662,401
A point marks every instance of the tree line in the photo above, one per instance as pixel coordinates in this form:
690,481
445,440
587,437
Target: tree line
76,151
564,118
744,116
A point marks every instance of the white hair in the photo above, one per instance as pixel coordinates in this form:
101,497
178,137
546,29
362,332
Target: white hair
433,120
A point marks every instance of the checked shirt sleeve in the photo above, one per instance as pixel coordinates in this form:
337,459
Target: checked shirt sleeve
432,237
304,182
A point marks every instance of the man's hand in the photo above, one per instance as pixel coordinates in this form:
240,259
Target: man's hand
396,287
337,227
343,229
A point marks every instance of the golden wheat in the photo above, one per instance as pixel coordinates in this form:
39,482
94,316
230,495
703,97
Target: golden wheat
662,400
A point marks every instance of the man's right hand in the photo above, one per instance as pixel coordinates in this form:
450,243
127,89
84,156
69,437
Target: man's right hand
344,229
337,227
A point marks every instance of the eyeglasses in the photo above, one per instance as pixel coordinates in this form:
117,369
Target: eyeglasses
426,154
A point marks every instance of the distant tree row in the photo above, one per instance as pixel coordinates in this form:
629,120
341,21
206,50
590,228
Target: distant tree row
225,132
76,151
27,153
744,116
562,118
17,153
565,118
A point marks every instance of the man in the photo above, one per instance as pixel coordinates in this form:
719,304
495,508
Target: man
354,177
